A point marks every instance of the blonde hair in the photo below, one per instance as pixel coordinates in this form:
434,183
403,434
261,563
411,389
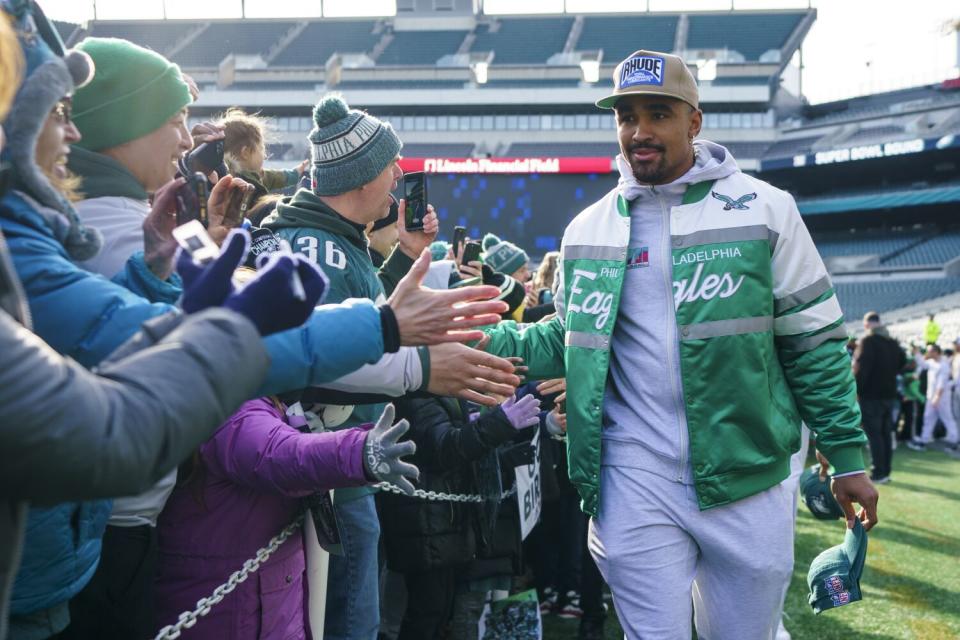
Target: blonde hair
547,271
11,65
243,131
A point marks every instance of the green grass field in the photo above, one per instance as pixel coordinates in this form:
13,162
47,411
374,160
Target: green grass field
911,584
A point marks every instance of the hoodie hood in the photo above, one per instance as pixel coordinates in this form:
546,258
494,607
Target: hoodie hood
305,209
713,162
878,330
50,74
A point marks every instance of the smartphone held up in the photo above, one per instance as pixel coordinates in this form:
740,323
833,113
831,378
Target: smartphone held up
415,199
191,199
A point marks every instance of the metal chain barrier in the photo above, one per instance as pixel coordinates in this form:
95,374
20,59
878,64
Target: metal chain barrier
439,496
189,618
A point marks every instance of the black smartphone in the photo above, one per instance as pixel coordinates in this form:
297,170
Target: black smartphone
238,204
206,158
191,198
459,235
415,195
471,252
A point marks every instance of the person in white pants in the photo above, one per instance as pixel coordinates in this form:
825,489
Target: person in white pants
939,404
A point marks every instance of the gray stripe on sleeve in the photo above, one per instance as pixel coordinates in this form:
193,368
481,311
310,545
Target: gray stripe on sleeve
594,252
808,294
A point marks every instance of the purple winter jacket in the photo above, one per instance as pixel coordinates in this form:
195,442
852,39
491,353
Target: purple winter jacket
252,472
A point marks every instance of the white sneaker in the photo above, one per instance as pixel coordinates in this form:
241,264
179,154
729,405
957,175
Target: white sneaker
782,633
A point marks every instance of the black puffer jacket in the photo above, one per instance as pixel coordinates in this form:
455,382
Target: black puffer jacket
420,535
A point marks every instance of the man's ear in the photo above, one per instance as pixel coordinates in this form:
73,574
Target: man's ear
696,123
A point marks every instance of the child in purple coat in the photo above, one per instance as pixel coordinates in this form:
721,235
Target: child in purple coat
244,487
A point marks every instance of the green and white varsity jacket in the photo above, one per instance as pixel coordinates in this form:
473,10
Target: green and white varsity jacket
761,338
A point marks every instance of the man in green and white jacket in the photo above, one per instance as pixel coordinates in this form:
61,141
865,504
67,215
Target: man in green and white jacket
697,328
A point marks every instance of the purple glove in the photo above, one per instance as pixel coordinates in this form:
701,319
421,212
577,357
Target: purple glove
522,413
271,299
211,285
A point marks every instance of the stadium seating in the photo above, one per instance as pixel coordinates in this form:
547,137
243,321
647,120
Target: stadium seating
523,40
619,36
741,81
856,298
874,134
276,86
223,38
594,149
401,84
938,250
527,83
159,36
464,150
562,149
321,39
792,147
753,150
864,243
421,47
877,104
749,34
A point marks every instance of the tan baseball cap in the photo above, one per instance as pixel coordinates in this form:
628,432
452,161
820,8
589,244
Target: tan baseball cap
652,73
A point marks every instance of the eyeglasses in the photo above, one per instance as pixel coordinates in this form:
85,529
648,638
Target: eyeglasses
63,111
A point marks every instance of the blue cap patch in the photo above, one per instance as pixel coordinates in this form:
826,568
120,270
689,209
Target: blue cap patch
640,70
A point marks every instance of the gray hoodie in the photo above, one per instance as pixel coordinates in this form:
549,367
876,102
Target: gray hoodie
644,419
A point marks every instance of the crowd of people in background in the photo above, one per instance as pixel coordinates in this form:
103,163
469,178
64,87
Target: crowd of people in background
907,392
173,416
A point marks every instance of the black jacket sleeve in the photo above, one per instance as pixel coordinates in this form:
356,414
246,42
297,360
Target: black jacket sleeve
70,434
444,439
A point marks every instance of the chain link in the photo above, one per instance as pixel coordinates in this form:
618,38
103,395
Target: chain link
439,496
188,619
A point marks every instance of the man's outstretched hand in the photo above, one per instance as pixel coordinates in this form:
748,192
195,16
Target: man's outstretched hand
427,316
472,375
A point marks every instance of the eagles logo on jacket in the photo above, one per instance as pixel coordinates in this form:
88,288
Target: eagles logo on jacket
760,330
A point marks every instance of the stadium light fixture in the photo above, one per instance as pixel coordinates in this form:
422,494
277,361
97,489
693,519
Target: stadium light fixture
480,72
591,70
707,70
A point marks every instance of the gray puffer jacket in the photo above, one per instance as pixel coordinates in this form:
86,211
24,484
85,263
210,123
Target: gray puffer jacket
69,434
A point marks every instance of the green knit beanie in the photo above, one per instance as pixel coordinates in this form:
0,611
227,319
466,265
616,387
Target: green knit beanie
503,256
438,250
350,147
135,92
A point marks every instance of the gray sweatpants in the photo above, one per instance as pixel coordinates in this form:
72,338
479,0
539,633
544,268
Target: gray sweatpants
656,549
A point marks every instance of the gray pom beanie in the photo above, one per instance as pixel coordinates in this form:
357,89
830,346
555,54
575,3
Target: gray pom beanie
503,256
349,147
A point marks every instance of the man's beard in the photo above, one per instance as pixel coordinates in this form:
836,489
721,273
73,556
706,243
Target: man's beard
646,172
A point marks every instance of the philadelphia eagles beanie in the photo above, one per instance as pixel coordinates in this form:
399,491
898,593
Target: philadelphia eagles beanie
134,92
349,147
503,256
